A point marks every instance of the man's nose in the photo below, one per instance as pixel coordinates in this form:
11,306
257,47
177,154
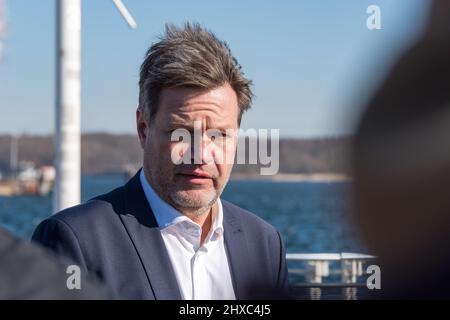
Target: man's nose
202,150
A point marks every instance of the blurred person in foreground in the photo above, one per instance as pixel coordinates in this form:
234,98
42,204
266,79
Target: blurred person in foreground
166,234
30,272
401,162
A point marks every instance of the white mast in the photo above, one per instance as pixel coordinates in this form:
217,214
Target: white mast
67,127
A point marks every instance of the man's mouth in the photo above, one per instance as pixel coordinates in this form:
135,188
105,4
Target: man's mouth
195,177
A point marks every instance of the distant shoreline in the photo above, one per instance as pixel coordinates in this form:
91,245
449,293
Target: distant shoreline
295,177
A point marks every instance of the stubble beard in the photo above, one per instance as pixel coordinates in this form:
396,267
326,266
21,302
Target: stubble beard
180,200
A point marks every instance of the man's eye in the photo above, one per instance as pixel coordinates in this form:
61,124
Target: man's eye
226,135
170,133
218,135
181,130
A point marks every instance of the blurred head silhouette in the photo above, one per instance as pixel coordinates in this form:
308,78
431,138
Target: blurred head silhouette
401,163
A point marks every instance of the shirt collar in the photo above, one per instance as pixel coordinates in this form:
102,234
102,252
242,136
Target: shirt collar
166,215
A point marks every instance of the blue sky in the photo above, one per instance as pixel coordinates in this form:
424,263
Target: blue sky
313,63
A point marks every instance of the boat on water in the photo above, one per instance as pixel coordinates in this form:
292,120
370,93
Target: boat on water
28,180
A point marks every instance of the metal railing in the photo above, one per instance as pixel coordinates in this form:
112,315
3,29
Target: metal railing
328,275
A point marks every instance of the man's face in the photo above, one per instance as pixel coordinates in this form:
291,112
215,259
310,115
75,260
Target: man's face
197,185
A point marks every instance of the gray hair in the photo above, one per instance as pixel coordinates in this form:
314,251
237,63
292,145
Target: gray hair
190,57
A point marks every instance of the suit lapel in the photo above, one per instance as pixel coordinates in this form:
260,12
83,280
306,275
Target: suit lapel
143,230
238,253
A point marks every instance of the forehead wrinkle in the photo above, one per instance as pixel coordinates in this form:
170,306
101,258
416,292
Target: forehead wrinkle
201,106
206,121
187,105
188,108
201,114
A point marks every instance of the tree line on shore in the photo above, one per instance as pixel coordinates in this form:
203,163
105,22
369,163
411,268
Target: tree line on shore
104,153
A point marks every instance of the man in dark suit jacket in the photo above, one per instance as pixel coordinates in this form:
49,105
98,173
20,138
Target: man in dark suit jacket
116,237
166,234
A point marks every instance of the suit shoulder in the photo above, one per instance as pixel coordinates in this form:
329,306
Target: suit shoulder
248,218
95,209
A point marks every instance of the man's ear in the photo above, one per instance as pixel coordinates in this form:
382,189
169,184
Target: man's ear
141,126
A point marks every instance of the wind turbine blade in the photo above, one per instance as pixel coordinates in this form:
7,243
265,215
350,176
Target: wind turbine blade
125,13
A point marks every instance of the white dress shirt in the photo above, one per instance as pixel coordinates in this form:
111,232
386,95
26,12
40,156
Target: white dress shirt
202,272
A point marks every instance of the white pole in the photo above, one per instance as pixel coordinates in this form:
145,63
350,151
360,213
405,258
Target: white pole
67,130
125,13
14,155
